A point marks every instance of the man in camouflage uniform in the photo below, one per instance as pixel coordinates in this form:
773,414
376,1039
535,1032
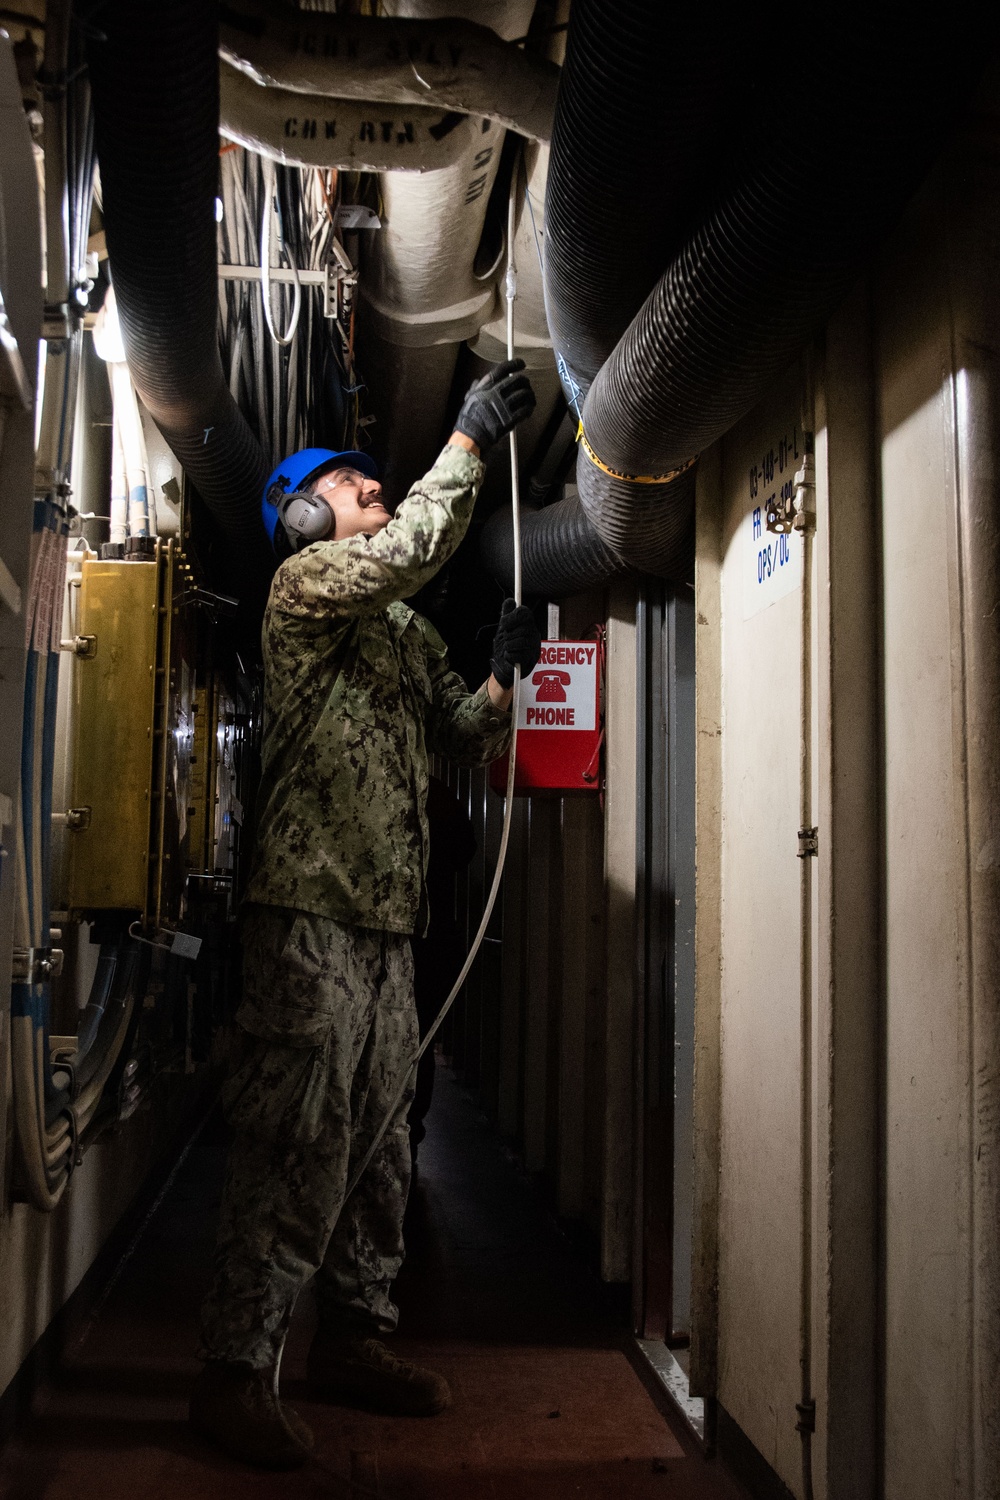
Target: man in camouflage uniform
358,692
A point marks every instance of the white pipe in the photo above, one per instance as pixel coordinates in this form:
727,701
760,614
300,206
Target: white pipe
515,496
119,485
451,64
128,426
532,339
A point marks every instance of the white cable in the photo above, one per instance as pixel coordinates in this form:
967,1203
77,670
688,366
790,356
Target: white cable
265,263
390,1114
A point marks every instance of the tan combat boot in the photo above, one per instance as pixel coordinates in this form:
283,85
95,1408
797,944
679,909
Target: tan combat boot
360,1370
234,1405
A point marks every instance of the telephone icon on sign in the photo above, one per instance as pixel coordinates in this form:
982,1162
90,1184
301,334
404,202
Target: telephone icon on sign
551,686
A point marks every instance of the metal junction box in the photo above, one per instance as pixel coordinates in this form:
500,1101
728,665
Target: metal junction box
129,823
116,691
559,723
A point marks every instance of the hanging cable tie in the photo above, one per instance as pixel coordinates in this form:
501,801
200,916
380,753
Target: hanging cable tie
182,944
666,478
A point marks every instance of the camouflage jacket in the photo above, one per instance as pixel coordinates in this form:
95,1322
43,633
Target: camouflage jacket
357,692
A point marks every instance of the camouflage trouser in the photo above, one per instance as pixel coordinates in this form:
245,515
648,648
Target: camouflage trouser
327,1027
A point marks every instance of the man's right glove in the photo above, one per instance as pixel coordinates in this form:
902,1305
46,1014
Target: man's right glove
495,404
517,643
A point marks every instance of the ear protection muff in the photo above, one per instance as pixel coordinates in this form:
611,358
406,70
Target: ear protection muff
292,516
304,518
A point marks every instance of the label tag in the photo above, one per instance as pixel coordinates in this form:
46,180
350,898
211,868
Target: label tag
561,693
185,945
772,562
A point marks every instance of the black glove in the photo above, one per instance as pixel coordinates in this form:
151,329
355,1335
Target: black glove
495,404
517,643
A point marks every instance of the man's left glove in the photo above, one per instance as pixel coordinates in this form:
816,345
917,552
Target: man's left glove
495,404
517,643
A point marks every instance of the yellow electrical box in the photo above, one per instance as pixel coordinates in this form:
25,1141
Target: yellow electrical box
116,693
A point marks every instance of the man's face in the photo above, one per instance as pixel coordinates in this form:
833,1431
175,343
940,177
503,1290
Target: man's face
355,500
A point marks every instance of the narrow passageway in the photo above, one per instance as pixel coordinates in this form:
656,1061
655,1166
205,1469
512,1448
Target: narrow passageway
546,1402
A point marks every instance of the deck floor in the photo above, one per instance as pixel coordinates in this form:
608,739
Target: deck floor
546,1400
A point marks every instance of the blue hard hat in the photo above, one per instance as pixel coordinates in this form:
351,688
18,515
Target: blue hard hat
299,470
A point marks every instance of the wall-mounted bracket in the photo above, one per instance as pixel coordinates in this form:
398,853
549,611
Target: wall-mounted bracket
74,818
793,507
36,965
339,287
80,645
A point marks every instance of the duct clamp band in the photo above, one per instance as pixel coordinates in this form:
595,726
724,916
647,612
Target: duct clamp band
670,475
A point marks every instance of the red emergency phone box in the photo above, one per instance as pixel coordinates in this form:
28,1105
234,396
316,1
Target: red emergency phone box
559,723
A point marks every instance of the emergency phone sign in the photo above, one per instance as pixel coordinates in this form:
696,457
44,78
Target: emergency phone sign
561,692
558,723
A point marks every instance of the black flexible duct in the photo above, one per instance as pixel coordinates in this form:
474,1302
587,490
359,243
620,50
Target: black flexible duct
639,122
561,552
819,186
155,81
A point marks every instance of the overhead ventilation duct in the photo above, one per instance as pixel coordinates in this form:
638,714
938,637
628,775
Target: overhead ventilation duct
637,139
561,552
422,292
155,80
803,202
450,64
623,184
812,193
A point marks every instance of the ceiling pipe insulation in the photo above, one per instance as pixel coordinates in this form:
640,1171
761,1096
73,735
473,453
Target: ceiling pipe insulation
425,286
741,297
449,64
303,130
154,75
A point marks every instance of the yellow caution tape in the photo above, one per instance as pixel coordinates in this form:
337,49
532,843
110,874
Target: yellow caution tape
581,437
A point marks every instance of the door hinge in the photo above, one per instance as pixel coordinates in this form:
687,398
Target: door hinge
808,843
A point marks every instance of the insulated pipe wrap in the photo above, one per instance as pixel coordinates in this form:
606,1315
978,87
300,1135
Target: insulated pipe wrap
448,64
306,130
155,79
